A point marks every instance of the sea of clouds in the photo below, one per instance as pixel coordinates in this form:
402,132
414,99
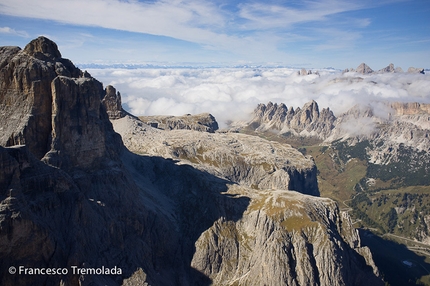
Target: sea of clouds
231,94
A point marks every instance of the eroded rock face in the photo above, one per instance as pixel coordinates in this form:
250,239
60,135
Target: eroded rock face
284,238
82,136
112,103
25,93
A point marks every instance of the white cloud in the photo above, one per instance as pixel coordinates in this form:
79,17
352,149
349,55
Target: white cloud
243,31
265,15
232,94
8,30
193,20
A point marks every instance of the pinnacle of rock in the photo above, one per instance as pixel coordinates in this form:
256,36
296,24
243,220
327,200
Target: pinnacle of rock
112,103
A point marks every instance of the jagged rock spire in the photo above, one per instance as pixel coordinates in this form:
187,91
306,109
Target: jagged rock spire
307,120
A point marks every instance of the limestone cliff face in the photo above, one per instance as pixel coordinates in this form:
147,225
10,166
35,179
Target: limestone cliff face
80,127
25,93
284,238
82,199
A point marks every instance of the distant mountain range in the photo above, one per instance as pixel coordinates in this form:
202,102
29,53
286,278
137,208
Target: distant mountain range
362,68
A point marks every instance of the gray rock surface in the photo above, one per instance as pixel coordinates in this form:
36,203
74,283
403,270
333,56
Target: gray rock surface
26,97
199,122
284,238
112,102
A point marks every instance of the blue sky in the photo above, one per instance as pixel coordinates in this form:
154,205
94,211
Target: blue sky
310,34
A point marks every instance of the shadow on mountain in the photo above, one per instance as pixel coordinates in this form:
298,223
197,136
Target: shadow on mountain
145,214
397,264
192,200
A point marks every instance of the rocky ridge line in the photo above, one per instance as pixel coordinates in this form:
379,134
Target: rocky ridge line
305,121
365,69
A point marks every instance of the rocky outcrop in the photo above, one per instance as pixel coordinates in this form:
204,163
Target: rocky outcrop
25,93
84,201
306,121
112,103
199,122
81,131
289,233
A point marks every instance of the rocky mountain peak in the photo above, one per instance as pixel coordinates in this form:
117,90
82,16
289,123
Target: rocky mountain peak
43,48
364,69
52,107
388,69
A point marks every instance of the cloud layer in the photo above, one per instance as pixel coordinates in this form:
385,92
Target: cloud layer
313,33
233,93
